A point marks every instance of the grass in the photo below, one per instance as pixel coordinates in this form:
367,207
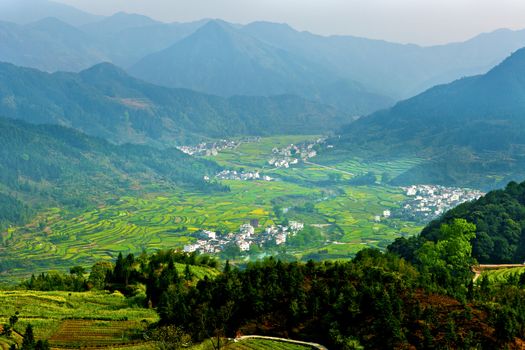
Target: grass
73,319
343,213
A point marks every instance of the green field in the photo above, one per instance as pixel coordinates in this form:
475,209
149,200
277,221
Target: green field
502,275
262,344
343,214
74,319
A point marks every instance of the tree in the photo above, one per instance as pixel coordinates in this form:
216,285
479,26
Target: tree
42,345
170,338
99,271
28,341
448,260
79,271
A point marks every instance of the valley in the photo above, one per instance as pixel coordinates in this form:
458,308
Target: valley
242,176
341,216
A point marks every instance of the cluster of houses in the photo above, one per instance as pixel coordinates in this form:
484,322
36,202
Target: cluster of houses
293,154
386,215
209,242
241,176
213,148
427,202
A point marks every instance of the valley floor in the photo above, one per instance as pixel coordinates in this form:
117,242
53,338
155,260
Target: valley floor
343,217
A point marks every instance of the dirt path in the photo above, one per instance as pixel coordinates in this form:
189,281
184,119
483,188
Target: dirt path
284,340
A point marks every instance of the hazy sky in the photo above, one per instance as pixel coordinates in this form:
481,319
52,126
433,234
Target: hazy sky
417,21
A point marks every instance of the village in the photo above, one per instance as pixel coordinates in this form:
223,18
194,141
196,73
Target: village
293,154
212,149
209,242
427,202
240,176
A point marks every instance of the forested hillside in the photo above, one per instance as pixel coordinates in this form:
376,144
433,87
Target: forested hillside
499,217
42,166
470,131
104,101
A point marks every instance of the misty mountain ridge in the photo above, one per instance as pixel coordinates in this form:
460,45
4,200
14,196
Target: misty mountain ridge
279,59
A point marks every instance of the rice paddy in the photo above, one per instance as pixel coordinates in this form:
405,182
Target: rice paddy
58,239
71,320
503,275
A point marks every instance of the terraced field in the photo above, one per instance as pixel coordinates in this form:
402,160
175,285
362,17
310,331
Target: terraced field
260,344
344,214
502,275
82,333
74,319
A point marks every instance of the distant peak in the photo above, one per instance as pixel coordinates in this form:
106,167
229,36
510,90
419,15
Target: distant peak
214,28
266,24
123,14
217,23
105,68
129,19
50,22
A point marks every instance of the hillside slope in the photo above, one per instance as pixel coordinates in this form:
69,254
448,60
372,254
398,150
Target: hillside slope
469,130
46,165
104,101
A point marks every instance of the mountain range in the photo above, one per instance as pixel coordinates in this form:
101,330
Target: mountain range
356,75
27,11
104,101
466,129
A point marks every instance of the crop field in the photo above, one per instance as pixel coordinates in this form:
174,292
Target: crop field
73,319
502,275
82,333
255,155
262,344
343,213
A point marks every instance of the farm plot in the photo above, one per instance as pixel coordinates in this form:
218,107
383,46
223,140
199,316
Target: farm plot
261,344
502,275
83,333
76,319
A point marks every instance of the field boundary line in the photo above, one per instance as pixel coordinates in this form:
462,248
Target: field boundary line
329,167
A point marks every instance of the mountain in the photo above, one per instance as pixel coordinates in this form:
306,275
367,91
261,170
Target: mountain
471,128
27,11
221,59
118,22
391,69
52,44
49,165
357,75
127,38
104,101
49,44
